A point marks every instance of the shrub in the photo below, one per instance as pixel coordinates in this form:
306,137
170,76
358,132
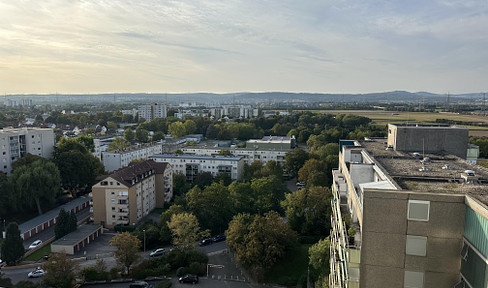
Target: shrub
176,259
165,283
195,256
181,271
124,228
197,268
115,273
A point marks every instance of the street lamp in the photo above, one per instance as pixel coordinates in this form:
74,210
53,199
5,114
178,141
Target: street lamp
144,230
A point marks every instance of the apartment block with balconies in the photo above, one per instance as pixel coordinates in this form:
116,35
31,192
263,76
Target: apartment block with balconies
131,193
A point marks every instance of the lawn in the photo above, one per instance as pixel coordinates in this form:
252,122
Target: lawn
38,254
382,118
289,270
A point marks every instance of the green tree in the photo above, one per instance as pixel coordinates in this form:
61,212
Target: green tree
212,206
308,210
261,243
165,232
190,126
319,255
117,144
78,169
87,141
60,271
176,129
35,182
128,134
127,250
12,247
186,230
242,196
203,180
180,186
61,227
268,192
158,135
73,222
27,160
315,173
295,159
142,135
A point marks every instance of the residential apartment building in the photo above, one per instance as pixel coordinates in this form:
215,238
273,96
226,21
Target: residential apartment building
249,154
238,111
272,142
408,219
192,165
113,160
18,142
152,111
130,193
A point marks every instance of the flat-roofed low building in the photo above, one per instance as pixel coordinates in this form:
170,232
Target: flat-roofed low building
420,219
77,240
131,193
272,142
192,165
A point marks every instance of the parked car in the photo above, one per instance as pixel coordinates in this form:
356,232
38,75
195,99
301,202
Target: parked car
157,252
301,184
2,263
36,273
35,244
189,278
219,238
206,242
140,284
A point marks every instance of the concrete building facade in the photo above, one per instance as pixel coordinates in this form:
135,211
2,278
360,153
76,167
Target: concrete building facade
272,142
192,165
16,143
414,221
249,154
130,193
113,160
428,139
152,111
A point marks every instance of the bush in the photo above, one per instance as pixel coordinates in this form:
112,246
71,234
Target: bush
176,259
165,283
124,228
115,273
287,281
197,268
195,256
181,271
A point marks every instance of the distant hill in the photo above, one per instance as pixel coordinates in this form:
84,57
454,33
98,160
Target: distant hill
246,98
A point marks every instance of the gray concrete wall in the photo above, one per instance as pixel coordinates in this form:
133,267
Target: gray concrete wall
384,230
454,140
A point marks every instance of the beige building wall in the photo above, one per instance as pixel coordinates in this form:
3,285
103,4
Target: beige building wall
385,227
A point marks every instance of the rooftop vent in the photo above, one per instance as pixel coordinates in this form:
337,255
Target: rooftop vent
424,169
416,154
426,160
469,172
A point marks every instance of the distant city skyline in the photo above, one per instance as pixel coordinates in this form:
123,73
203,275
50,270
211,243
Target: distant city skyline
328,46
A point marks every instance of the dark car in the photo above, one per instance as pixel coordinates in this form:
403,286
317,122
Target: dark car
206,242
189,278
219,238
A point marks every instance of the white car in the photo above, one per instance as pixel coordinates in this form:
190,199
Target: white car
36,273
157,252
2,263
35,244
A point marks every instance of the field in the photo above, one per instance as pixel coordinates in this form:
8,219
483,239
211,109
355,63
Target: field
382,118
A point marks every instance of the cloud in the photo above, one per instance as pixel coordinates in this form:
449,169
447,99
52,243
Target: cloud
317,46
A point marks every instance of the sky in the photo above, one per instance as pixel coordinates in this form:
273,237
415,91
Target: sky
320,46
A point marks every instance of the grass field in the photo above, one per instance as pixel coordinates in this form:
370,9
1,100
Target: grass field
38,254
293,266
382,118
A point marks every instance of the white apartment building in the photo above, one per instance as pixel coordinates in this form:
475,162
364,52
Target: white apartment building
249,154
192,165
113,160
16,143
153,111
239,111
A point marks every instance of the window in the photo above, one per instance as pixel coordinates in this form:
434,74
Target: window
113,200
416,245
113,208
413,279
418,210
112,193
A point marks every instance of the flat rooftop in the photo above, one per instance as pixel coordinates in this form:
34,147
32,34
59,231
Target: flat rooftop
196,157
74,237
442,173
